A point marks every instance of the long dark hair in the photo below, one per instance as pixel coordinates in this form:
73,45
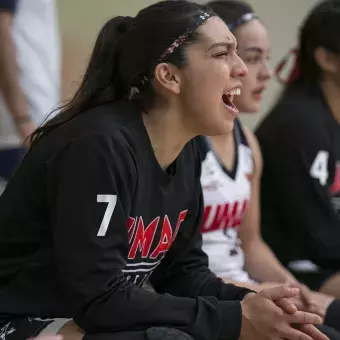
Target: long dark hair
230,11
320,28
125,53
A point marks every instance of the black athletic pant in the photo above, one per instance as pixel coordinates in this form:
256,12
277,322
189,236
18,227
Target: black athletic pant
173,334
156,333
332,318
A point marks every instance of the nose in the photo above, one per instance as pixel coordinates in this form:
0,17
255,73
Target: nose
240,69
266,72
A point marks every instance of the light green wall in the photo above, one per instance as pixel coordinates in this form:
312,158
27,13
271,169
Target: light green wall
80,21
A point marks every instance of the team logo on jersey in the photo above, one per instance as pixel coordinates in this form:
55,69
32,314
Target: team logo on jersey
148,243
334,191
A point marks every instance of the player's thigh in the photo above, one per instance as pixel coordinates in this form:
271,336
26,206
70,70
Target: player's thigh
332,286
330,332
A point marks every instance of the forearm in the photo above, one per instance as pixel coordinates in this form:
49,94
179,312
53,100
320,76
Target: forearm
263,266
9,71
252,286
193,280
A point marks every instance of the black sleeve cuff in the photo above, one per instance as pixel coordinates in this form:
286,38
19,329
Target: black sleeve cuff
8,5
231,320
231,292
333,315
240,296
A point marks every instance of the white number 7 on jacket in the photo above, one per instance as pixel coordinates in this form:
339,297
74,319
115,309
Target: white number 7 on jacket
111,201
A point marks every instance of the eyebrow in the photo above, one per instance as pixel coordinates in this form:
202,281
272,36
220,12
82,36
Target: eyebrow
255,49
230,44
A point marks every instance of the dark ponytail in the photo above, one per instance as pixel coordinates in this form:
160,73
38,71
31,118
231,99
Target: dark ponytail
125,54
101,82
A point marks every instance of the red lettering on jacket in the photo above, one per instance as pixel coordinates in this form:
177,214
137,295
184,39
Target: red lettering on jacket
142,239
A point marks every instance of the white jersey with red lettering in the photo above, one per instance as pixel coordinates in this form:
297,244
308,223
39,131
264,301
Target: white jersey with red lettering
226,197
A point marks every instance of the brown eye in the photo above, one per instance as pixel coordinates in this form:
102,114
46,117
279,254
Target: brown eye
221,55
253,59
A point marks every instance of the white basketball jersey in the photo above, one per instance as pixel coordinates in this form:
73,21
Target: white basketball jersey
226,198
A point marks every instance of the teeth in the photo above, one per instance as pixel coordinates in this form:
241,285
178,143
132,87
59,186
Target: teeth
234,92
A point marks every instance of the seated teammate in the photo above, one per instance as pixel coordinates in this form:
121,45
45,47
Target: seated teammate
231,172
109,195
300,143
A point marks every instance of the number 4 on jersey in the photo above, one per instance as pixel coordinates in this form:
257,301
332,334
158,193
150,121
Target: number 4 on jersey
111,201
319,168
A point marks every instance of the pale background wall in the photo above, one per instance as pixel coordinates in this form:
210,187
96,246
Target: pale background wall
80,20
283,19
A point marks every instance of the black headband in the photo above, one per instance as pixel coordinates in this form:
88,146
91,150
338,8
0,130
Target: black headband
182,38
202,17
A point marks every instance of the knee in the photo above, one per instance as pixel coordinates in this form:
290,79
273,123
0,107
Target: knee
164,333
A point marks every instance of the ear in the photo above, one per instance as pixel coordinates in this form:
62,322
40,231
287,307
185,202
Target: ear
167,77
327,61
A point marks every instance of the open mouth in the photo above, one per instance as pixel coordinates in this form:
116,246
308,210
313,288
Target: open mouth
228,98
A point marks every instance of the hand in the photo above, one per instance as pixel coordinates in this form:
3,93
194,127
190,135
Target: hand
263,319
310,301
321,302
305,293
266,285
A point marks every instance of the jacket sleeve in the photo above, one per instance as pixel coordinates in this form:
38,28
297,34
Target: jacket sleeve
95,178
300,163
185,272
